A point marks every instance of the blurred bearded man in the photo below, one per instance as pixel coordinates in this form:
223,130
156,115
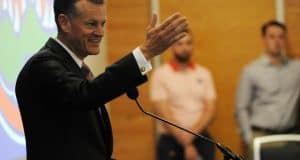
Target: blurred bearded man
184,93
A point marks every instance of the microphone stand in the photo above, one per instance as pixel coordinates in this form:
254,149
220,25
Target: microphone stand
227,153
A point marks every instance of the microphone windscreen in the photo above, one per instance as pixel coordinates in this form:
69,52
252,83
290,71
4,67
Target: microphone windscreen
132,93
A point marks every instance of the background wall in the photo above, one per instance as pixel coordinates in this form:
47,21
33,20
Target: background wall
292,17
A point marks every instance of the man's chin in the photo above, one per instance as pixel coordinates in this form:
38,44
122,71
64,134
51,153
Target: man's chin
182,59
277,53
95,52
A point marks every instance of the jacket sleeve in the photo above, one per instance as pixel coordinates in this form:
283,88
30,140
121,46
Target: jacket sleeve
69,89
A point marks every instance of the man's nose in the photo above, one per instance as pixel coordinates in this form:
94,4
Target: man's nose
278,40
99,31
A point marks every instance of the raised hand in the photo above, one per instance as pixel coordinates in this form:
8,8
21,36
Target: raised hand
161,37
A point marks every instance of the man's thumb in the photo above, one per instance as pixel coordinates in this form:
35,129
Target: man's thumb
153,21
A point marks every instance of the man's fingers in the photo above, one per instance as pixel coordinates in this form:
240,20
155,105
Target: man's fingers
169,20
178,37
169,35
175,26
168,25
182,27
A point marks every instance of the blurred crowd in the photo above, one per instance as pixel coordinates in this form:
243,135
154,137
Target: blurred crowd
266,99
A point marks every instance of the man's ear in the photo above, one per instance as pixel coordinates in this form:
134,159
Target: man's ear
64,23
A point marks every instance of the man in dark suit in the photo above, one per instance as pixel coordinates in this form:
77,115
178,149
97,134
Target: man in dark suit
61,103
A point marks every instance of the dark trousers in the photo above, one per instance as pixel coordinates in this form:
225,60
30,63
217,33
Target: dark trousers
169,149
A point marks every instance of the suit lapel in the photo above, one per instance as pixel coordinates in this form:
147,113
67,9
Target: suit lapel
60,52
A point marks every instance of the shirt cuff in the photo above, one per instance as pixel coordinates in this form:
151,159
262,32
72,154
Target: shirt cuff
144,65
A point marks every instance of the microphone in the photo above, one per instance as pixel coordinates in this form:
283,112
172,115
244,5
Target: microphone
133,94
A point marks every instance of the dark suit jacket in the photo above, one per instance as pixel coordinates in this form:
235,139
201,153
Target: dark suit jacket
59,107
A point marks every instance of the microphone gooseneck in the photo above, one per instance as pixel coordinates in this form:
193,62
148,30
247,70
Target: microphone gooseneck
228,154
